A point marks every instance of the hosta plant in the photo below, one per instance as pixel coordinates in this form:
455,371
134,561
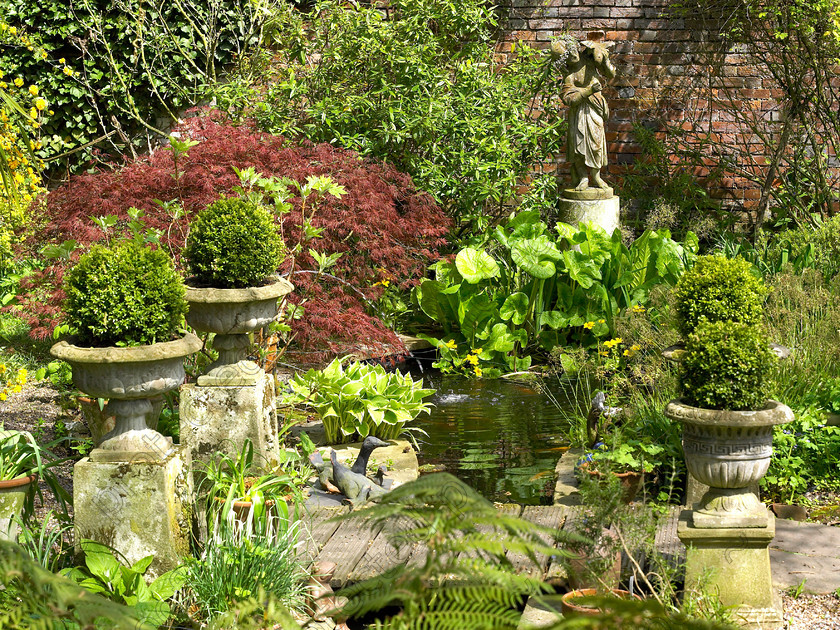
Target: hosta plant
360,400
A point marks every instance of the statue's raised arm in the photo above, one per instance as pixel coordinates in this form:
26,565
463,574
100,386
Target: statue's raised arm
586,146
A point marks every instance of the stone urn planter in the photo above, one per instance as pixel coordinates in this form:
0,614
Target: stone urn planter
129,378
728,451
232,314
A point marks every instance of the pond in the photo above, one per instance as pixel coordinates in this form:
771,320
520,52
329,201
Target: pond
501,437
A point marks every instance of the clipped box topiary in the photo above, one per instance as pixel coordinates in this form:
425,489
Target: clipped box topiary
233,244
125,295
725,366
126,303
718,289
233,251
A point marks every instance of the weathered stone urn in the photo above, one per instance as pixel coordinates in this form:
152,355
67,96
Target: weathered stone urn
728,451
232,314
129,378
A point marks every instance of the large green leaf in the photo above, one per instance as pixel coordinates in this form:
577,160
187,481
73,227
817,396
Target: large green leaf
100,561
536,256
581,269
476,265
500,339
515,308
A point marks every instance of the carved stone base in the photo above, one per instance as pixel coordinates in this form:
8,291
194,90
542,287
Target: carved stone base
733,564
140,508
221,418
601,212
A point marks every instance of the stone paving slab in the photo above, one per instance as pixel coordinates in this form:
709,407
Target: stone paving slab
806,551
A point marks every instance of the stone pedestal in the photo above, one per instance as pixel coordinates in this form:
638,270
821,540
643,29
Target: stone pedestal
221,418
140,508
694,491
601,212
734,564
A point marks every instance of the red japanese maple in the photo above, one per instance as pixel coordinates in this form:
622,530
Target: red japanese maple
384,227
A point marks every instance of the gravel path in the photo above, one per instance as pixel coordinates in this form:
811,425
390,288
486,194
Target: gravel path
811,612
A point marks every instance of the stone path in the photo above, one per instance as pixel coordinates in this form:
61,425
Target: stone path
806,551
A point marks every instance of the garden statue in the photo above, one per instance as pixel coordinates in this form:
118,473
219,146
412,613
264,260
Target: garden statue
586,146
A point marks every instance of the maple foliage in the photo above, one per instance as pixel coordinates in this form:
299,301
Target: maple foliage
383,226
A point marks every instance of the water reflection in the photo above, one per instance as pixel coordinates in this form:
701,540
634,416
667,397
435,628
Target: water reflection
503,438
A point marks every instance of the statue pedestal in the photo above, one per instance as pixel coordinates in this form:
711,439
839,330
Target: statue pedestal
733,563
140,508
601,212
221,418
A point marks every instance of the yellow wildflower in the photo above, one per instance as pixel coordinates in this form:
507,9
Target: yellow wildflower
628,353
13,30
68,71
40,104
33,90
2,396
601,321
477,370
451,344
19,82
635,347
473,358
638,308
589,325
604,353
62,61
33,113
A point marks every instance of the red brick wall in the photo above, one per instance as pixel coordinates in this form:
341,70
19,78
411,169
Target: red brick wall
657,57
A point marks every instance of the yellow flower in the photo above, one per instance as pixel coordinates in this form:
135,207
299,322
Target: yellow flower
386,282
604,353
2,396
451,344
68,71
19,82
33,90
589,325
638,308
618,340
601,321
62,61
477,370
473,358
635,347
33,113
40,104
627,353
13,30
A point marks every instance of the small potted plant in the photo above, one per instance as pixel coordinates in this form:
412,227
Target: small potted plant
22,463
239,487
125,304
727,419
628,460
232,254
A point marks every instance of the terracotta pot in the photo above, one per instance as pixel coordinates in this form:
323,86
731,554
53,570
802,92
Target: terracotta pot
728,451
129,377
13,494
231,314
630,481
569,607
580,573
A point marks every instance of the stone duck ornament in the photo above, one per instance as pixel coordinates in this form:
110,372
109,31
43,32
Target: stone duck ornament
368,446
357,488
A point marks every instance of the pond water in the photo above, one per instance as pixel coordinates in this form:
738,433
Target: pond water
501,437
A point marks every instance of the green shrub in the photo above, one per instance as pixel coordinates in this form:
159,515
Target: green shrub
726,366
718,289
233,244
360,399
418,86
822,245
115,67
128,294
